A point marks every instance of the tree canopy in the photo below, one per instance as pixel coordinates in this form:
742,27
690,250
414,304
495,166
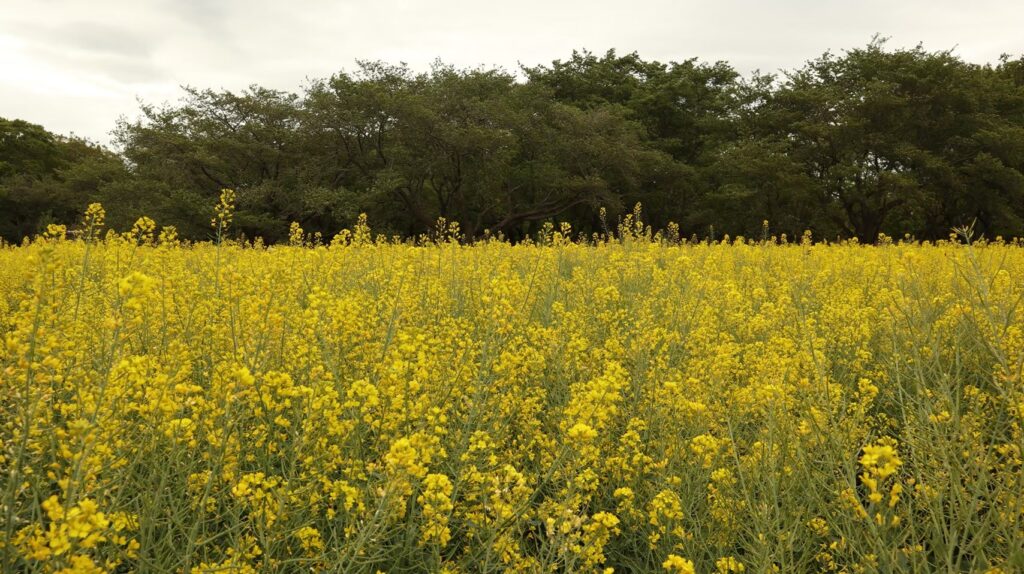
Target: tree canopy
873,140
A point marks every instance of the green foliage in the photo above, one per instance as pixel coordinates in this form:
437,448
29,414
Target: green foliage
46,178
905,141
873,140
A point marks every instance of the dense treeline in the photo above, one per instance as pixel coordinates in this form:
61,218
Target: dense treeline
875,140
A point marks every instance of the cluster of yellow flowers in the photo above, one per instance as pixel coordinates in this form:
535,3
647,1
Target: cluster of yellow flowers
631,404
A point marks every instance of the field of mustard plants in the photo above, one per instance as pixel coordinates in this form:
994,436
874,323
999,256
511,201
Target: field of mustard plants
631,404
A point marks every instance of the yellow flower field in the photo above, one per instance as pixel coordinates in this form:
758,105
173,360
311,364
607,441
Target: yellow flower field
632,404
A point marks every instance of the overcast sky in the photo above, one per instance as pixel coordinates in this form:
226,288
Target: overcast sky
75,66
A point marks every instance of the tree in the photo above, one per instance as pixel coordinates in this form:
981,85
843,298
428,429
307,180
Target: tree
901,141
756,180
870,141
45,178
472,146
688,110
247,142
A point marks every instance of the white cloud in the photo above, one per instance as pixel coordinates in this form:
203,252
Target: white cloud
76,66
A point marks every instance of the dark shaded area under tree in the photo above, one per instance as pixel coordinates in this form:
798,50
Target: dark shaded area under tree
873,140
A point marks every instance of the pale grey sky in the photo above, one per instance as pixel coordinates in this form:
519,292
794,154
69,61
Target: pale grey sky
76,65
